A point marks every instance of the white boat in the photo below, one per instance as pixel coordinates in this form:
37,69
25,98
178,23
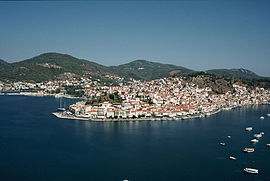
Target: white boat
261,117
268,114
61,109
268,144
254,141
229,136
262,133
249,129
249,150
222,144
232,158
251,170
257,135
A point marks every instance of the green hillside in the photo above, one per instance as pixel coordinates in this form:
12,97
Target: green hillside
50,65
146,70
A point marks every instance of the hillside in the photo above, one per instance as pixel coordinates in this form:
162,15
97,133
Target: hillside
146,70
51,65
236,73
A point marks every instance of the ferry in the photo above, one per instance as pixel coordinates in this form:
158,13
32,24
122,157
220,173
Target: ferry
254,141
261,117
232,158
251,170
249,150
249,129
222,144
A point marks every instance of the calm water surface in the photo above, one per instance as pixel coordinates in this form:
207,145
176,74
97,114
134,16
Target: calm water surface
35,145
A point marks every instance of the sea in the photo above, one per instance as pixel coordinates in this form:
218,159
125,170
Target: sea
36,146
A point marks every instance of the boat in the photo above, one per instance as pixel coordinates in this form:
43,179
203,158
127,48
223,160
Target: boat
249,150
254,141
261,117
262,133
61,109
268,114
268,144
251,170
249,129
257,135
222,144
232,158
229,136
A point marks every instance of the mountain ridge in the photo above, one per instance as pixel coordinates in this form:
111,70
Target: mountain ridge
48,66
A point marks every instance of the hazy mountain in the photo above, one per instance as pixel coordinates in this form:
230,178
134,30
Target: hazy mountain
236,73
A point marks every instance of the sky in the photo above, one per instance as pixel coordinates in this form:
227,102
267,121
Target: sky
199,35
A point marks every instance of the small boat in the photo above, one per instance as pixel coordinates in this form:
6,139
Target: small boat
257,135
262,133
268,114
229,136
251,170
125,180
232,158
222,144
249,129
261,117
268,144
254,141
61,109
249,150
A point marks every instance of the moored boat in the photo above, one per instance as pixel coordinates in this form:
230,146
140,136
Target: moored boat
232,158
249,150
268,144
254,141
249,129
268,114
261,117
257,135
251,170
222,144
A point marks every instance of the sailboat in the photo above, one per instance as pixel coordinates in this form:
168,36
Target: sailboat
60,105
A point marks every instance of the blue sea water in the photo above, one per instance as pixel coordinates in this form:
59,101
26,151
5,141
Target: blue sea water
36,146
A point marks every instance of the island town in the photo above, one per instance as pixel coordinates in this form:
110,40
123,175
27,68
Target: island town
164,98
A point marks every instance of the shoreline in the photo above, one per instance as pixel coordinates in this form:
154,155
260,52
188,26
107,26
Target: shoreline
61,115
35,94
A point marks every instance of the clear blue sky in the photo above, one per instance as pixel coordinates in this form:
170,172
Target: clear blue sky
199,35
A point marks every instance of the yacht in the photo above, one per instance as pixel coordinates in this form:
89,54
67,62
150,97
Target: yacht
249,150
257,135
251,170
232,158
249,129
61,109
261,117
254,141
222,144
